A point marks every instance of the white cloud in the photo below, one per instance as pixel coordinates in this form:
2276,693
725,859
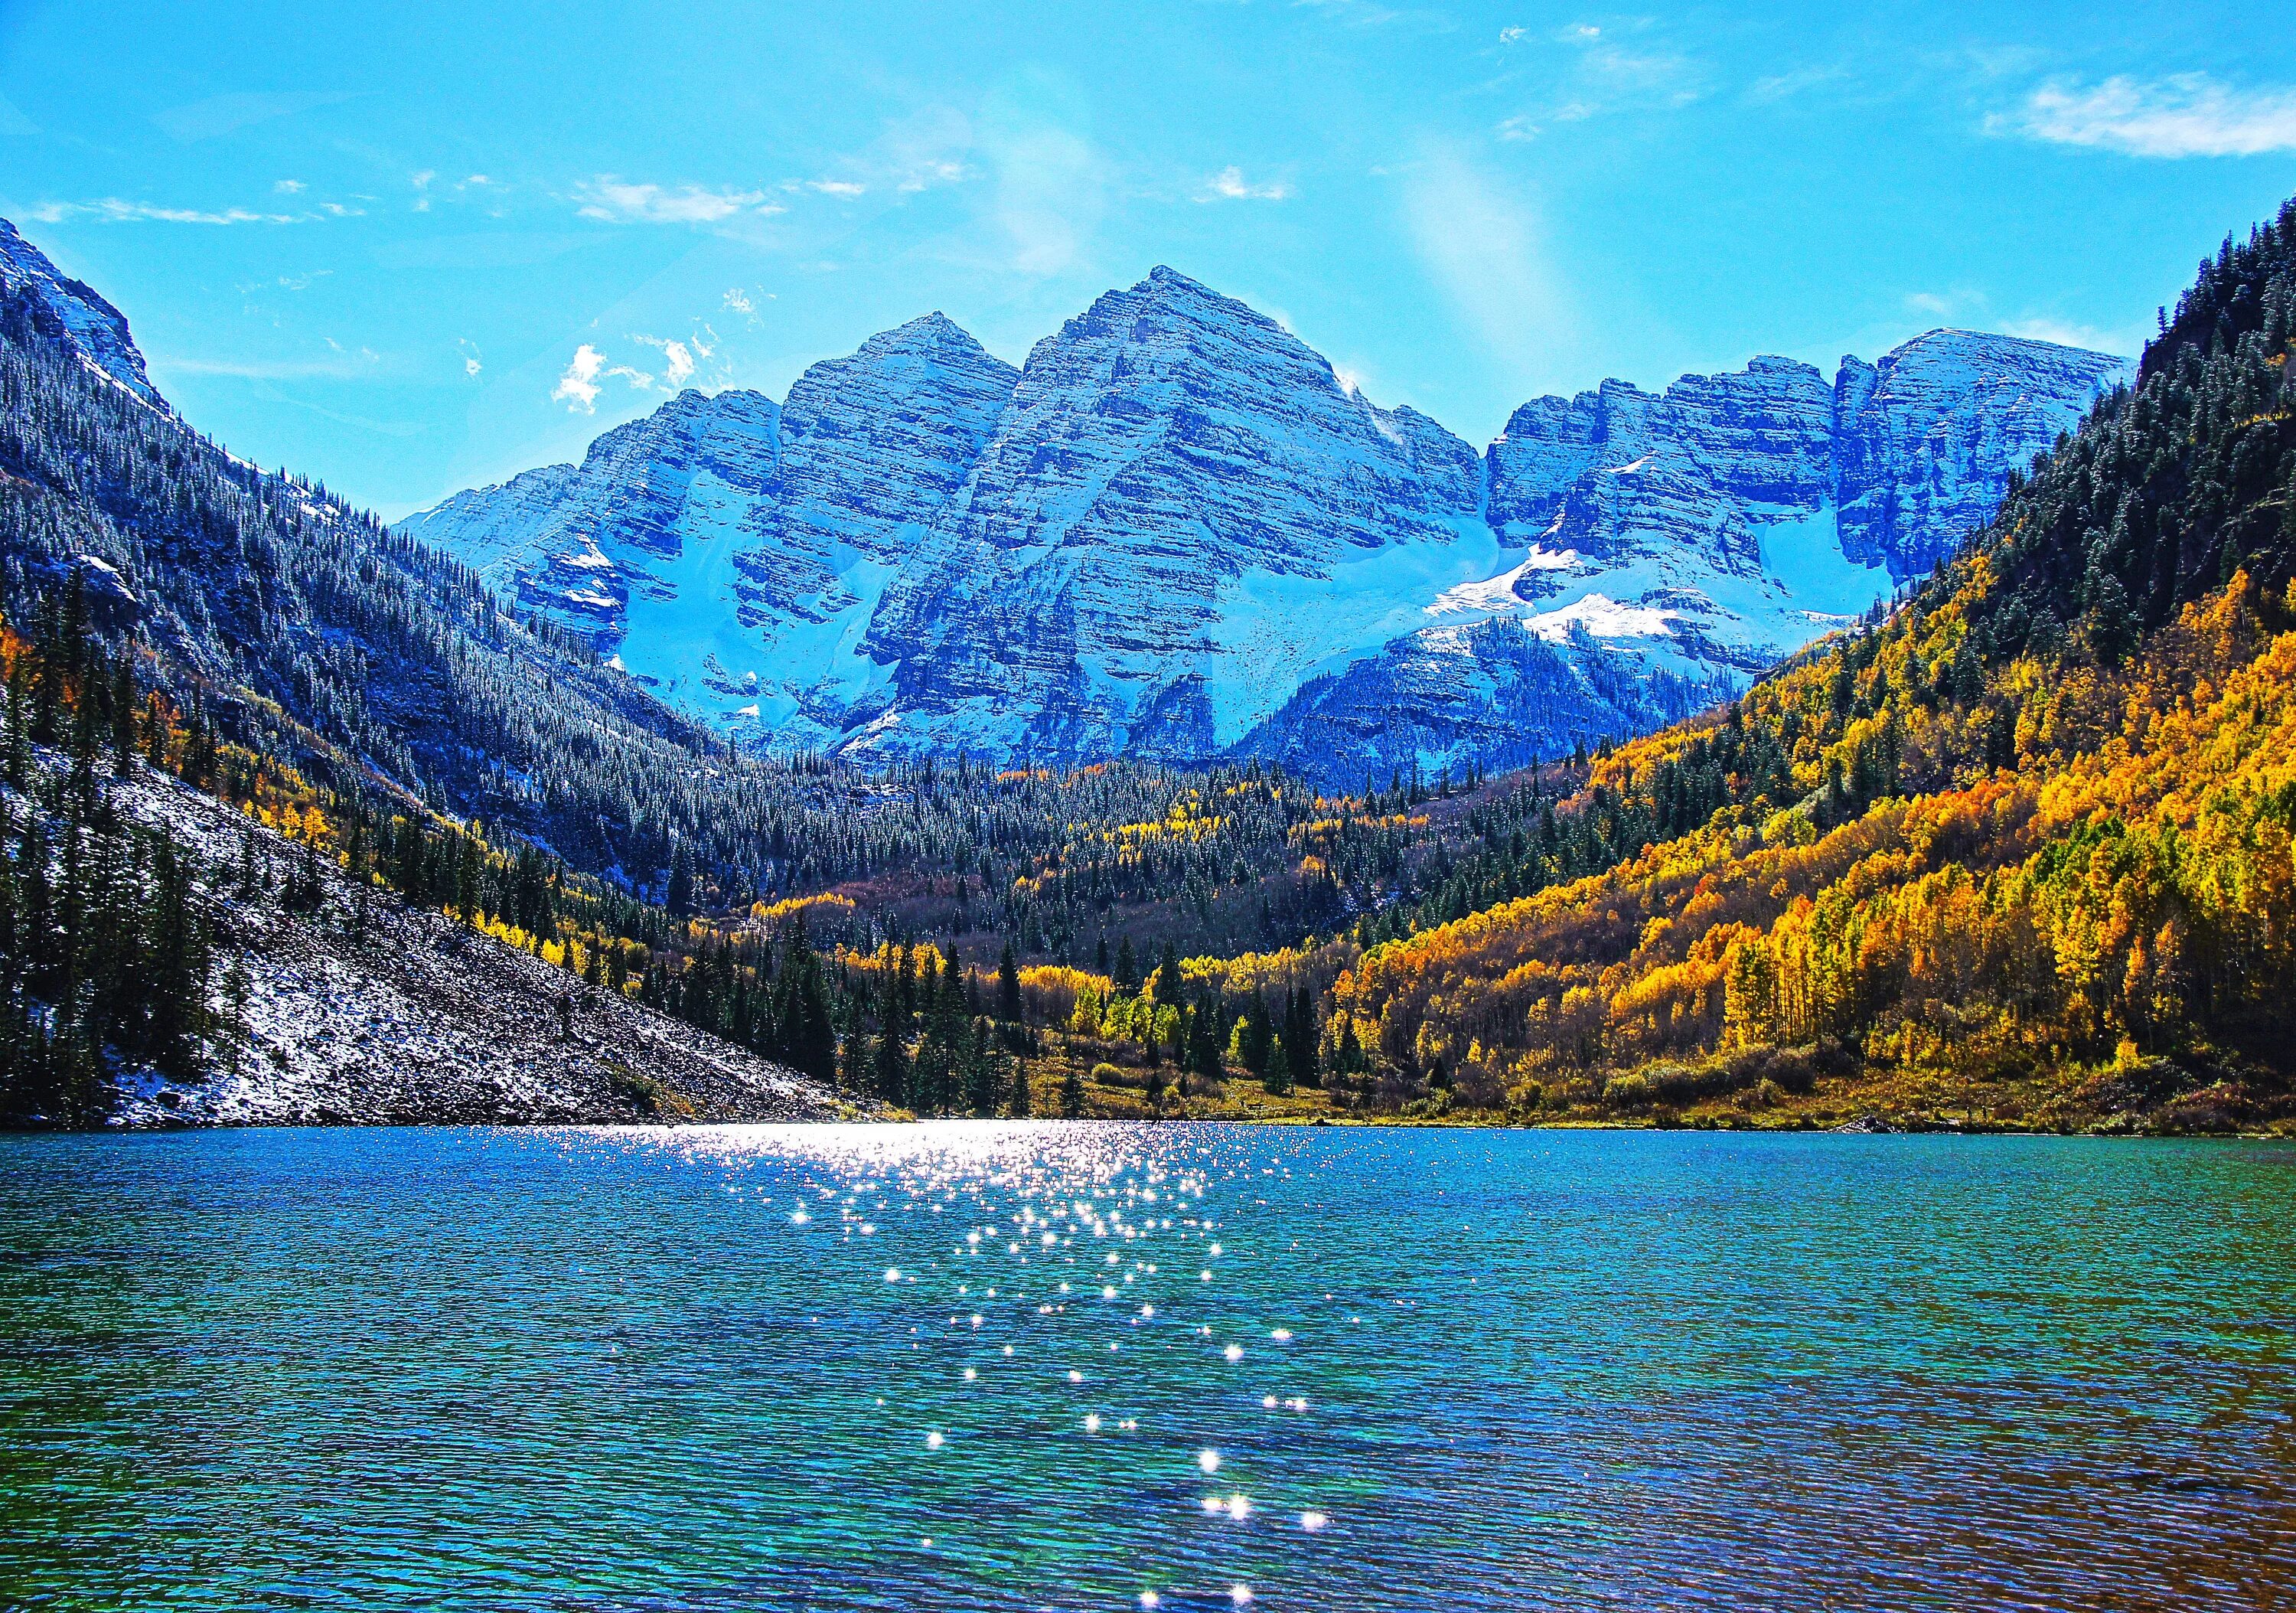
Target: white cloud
1509,35
678,361
609,197
2189,115
288,187
1229,184
924,176
836,187
578,387
111,210
738,302
1929,302
421,179
471,364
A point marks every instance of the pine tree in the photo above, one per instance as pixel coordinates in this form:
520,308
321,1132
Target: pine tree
983,1070
1008,987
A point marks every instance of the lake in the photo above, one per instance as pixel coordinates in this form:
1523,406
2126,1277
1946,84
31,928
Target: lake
1102,1366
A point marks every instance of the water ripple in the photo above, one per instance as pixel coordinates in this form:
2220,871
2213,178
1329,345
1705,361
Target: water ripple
1073,1366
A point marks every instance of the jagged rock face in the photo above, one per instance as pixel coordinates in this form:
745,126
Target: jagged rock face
1165,455
1175,533
871,446
1913,452
732,549
1925,440
98,330
578,542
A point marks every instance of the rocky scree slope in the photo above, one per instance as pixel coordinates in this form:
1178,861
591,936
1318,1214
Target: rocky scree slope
363,1010
1175,532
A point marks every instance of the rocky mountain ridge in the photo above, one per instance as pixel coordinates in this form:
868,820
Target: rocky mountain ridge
1175,532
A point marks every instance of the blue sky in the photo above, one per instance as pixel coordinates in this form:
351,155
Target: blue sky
374,243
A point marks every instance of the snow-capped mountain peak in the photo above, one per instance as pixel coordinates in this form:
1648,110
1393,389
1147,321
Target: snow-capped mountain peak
1176,531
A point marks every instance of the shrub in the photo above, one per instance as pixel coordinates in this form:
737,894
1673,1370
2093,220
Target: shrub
1633,1090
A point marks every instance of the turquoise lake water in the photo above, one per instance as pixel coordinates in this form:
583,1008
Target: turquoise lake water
981,1365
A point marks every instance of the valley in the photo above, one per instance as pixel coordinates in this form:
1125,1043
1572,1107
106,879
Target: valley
1601,843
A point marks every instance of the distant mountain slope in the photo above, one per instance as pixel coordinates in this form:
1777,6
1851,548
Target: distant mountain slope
1176,533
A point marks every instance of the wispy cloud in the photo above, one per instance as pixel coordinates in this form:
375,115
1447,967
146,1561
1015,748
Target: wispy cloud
2188,115
340,364
285,282
1605,71
1050,184
676,358
836,187
2127,341
1229,184
471,361
611,198
1484,247
1370,14
1971,309
288,187
421,180
1795,81
111,210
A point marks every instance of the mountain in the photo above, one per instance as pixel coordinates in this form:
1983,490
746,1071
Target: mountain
1176,533
1681,543
375,664
2018,855
97,331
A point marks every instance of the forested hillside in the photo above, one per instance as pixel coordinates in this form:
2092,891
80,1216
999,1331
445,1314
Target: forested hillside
2022,850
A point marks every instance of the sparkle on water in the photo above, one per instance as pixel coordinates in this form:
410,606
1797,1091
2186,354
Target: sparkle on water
607,1369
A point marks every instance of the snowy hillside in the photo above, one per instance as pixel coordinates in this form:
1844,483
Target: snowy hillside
1175,532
